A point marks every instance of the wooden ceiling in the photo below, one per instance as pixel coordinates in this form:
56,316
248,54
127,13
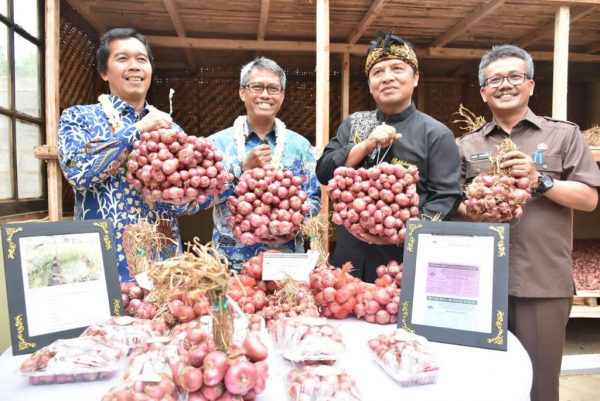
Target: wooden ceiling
449,35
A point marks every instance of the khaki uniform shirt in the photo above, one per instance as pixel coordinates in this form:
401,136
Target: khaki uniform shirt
541,242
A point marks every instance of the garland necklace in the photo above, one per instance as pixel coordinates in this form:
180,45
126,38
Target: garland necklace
114,119
240,131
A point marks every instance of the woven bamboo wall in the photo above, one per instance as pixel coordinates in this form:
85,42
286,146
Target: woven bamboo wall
78,80
208,101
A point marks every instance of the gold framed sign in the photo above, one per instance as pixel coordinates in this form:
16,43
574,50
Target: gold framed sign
455,282
60,278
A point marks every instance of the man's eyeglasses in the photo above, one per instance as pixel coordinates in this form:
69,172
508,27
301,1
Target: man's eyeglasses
514,79
259,88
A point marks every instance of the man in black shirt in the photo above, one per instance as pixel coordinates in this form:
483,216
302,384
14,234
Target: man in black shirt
405,136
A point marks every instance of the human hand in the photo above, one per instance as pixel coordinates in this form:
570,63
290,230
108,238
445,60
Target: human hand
521,165
258,157
383,135
154,120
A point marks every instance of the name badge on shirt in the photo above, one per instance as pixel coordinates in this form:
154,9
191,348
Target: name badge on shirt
480,156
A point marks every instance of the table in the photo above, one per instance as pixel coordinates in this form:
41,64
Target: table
466,374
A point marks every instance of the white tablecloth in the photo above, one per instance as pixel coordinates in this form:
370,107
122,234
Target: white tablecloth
466,374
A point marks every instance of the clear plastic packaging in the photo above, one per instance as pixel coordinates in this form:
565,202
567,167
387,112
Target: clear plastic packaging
148,376
321,383
307,339
127,330
77,359
405,357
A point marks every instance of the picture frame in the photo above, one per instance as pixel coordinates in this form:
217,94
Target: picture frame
60,278
455,282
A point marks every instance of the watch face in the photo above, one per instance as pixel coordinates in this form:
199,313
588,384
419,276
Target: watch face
546,182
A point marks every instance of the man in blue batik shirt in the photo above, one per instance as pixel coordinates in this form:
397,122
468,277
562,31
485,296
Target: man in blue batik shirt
257,139
94,142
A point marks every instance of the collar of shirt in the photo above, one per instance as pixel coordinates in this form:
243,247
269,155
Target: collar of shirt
398,117
252,137
124,108
529,117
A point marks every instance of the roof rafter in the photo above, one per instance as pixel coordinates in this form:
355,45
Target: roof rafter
367,20
264,18
84,9
178,24
548,27
593,48
467,22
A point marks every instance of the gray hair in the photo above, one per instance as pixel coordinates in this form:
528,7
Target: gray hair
262,63
503,51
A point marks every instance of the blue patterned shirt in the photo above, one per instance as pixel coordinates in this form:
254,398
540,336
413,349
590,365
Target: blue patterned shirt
93,158
297,156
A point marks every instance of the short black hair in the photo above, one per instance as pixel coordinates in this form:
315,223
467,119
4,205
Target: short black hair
103,51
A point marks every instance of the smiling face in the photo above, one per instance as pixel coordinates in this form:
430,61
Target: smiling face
128,71
392,82
507,99
262,106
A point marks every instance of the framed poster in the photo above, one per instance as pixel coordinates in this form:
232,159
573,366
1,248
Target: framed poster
60,278
455,282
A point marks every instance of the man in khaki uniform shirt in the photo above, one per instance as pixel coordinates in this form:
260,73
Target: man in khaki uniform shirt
563,176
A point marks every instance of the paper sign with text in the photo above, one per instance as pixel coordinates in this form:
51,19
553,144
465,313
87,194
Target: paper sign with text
276,266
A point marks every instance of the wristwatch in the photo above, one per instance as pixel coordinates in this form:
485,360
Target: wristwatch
545,183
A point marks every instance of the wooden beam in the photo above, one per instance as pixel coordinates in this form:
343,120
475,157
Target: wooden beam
322,100
345,109
561,64
179,28
264,18
366,21
84,9
51,58
567,2
308,47
539,32
467,22
593,48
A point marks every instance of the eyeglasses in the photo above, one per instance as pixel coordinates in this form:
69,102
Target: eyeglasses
514,79
259,88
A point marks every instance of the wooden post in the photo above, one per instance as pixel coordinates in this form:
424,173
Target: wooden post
52,36
421,96
322,100
345,85
561,63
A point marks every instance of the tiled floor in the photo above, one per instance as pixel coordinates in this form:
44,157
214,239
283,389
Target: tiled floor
583,337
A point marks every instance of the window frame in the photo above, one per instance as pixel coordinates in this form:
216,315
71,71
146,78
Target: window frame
15,205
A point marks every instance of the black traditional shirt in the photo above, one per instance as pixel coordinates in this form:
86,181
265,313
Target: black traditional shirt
425,143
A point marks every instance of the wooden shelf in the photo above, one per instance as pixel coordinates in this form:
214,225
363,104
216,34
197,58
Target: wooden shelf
588,293
585,311
596,152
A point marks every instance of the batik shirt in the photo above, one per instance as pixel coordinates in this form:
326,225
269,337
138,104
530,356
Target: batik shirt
297,156
93,161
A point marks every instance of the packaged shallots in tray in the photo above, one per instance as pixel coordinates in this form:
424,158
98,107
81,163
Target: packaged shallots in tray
148,376
76,359
405,357
307,339
321,383
127,330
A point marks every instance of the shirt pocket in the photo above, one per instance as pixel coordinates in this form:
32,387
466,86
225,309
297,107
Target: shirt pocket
475,167
551,165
